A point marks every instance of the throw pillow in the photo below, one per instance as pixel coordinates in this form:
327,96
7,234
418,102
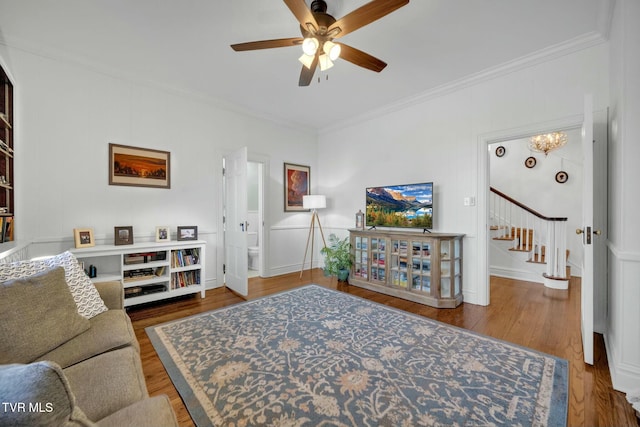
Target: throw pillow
38,395
83,290
37,314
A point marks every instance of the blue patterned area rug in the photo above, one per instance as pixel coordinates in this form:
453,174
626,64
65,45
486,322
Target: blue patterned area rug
317,357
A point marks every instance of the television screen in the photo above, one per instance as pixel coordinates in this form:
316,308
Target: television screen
409,205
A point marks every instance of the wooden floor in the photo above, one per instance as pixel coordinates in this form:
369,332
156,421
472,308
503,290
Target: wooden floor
524,313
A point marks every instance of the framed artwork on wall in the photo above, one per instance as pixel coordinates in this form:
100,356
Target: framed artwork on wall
296,184
562,177
83,237
139,167
530,162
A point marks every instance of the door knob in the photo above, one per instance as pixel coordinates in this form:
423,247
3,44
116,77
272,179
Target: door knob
596,232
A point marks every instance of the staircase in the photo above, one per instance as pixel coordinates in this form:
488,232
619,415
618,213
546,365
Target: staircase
535,244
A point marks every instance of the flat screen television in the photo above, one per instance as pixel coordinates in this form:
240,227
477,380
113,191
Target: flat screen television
404,206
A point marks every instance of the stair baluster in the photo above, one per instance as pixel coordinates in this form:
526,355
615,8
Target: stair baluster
545,238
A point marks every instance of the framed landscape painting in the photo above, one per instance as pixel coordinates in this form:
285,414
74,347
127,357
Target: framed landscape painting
139,167
296,185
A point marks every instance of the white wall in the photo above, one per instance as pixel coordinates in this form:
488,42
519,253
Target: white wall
67,114
441,139
622,338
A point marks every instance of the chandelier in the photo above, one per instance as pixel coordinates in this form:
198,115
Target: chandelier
547,142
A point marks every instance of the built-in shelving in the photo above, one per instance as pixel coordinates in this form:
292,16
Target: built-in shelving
149,271
7,206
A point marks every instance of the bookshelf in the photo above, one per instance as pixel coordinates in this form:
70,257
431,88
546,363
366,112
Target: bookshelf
149,271
7,185
424,268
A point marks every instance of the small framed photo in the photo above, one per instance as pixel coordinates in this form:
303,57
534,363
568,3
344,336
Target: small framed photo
123,235
83,237
189,232
162,234
296,185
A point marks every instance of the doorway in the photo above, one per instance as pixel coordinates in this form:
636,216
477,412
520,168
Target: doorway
484,144
530,178
594,136
244,205
255,218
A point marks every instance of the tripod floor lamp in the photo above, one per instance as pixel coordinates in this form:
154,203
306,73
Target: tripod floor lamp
314,203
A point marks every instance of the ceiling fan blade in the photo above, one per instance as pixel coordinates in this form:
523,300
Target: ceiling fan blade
302,13
267,44
360,58
365,15
307,73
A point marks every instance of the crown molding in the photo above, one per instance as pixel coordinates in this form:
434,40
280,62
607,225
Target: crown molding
544,55
65,57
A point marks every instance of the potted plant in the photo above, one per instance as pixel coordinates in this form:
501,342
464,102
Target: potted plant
337,257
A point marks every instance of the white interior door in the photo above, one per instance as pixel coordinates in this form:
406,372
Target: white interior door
235,241
600,220
587,232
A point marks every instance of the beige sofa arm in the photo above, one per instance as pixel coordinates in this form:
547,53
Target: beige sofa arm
112,293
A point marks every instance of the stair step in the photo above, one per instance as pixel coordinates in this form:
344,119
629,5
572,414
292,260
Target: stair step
496,227
519,249
537,259
515,233
540,258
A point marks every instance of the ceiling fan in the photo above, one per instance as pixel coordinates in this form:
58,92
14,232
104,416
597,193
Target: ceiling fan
319,30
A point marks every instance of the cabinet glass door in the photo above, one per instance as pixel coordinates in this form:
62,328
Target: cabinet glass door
399,263
445,269
378,259
421,266
457,267
361,247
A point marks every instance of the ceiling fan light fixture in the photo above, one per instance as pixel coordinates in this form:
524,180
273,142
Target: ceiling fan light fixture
325,62
306,60
332,49
310,46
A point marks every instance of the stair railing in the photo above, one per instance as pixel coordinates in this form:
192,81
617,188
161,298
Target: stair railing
541,236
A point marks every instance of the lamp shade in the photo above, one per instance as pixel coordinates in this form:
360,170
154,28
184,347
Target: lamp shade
314,202
310,45
332,49
325,62
307,60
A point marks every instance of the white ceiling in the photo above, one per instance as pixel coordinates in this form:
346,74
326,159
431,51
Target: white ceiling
184,44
